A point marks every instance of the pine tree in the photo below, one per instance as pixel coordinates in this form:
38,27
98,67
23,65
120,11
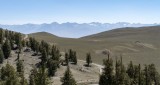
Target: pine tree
33,76
123,78
18,56
20,67
31,80
55,53
140,78
23,43
88,59
52,68
130,70
6,33
6,49
9,76
12,44
18,41
1,56
68,78
71,55
23,81
118,71
27,43
74,58
46,46
147,78
44,57
66,59
32,43
153,74
36,47
42,78
1,36
107,77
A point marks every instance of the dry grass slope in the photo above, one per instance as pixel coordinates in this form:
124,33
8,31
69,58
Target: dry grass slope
141,45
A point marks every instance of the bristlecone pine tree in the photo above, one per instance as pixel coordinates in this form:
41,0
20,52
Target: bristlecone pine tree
74,58
1,56
52,67
88,59
18,41
32,77
68,78
107,77
9,76
23,81
55,53
41,77
66,59
6,49
20,67
1,36
44,57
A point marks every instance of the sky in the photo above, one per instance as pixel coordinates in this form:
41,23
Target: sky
80,11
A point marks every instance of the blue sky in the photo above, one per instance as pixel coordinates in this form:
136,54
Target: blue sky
81,11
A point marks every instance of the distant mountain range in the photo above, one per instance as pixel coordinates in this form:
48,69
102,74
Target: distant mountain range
71,30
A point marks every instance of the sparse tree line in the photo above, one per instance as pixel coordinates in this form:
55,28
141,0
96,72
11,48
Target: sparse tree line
132,75
51,60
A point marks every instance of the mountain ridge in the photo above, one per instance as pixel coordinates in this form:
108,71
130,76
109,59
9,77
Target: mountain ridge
126,30
71,30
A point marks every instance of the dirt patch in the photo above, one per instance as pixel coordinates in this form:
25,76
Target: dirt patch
145,45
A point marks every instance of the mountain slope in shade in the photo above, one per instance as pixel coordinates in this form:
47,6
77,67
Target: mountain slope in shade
71,30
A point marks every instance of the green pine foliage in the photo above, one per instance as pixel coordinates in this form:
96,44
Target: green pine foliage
41,77
72,56
44,57
9,76
1,56
88,59
68,78
18,41
32,77
52,67
66,59
32,42
23,43
55,53
107,77
1,36
134,75
20,66
7,49
46,46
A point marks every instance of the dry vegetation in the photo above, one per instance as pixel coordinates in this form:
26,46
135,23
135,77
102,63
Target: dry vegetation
136,44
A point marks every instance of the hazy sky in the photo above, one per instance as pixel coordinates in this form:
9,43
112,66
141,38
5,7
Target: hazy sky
105,11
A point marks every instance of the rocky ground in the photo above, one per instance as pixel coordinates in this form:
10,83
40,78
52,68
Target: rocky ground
83,75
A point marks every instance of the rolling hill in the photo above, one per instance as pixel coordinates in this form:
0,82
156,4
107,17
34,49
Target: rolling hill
141,45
